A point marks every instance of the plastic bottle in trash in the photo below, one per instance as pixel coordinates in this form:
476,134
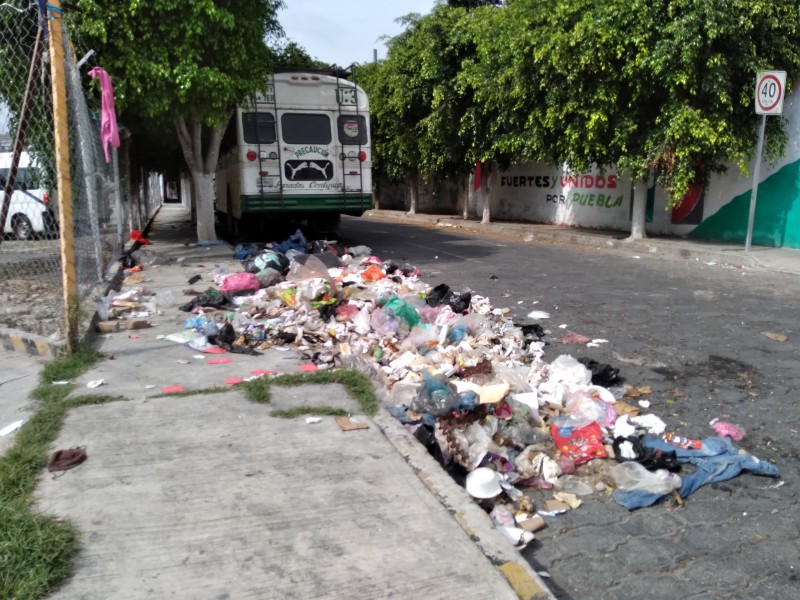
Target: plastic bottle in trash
633,476
219,273
573,484
164,299
104,308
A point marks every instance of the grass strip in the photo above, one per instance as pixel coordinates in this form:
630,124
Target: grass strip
35,549
300,411
204,391
356,384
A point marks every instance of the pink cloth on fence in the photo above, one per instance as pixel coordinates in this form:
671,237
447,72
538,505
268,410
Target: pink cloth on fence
109,134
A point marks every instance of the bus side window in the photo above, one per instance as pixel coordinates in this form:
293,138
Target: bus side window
352,130
258,128
21,182
229,138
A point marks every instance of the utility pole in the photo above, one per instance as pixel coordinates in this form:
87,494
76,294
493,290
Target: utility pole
63,178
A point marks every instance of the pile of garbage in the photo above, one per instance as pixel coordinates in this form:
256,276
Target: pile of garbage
526,437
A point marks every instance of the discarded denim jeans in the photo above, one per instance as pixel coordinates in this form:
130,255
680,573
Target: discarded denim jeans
717,460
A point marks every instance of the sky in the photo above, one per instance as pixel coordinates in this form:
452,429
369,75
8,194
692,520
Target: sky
345,31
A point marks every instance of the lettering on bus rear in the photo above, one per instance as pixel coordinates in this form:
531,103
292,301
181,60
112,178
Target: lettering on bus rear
311,150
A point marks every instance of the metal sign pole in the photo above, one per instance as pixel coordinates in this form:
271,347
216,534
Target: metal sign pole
754,194
770,86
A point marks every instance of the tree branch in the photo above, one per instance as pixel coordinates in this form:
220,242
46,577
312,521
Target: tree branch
186,143
215,141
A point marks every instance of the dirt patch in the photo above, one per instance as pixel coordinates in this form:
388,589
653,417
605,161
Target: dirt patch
33,305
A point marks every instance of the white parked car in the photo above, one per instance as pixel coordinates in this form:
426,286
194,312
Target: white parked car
29,212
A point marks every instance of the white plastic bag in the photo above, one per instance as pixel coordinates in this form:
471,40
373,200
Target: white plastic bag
631,476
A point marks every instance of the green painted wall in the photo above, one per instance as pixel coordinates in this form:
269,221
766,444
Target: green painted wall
777,221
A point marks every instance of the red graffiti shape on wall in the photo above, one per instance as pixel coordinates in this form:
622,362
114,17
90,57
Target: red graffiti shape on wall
689,202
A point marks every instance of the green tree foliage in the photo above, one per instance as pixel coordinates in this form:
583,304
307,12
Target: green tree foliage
473,3
187,63
658,88
293,55
416,103
704,61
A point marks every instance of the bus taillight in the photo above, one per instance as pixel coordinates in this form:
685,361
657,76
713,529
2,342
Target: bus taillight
251,156
362,156
46,198
263,173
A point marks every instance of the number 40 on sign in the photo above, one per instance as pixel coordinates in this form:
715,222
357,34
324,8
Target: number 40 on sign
770,88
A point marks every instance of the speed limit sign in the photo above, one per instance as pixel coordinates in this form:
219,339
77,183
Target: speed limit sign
770,89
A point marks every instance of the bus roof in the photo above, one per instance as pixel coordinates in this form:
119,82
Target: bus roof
314,90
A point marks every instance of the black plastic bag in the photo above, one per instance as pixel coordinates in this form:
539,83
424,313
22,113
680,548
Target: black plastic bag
649,458
442,294
602,374
438,295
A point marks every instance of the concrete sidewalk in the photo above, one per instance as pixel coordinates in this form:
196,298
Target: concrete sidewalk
19,375
209,496
779,260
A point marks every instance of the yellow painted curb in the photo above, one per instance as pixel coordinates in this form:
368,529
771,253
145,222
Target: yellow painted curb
524,585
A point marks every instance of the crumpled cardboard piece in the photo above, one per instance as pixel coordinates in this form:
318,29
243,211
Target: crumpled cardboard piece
134,279
347,424
122,325
556,506
532,523
625,409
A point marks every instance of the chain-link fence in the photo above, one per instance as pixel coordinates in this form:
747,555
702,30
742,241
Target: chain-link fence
107,199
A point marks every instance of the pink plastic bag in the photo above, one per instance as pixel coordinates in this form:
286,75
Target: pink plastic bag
723,429
240,281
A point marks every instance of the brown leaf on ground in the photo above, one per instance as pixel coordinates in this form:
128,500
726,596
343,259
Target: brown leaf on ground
778,337
635,392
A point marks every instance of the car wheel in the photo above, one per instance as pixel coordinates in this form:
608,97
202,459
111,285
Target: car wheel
23,230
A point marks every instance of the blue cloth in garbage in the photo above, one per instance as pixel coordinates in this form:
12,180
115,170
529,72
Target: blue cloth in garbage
717,460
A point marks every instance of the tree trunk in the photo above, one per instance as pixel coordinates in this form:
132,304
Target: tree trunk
638,231
204,191
193,201
202,163
487,191
414,188
469,196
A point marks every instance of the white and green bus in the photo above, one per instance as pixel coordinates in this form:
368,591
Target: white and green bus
302,151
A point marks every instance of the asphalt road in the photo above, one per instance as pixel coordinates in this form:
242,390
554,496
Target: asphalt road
692,332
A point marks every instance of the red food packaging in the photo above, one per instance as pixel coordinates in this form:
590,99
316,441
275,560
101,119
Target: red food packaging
579,444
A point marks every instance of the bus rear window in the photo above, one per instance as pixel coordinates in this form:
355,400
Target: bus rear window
258,128
352,130
306,129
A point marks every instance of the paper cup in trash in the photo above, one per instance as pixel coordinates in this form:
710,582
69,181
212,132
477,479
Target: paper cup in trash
484,483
